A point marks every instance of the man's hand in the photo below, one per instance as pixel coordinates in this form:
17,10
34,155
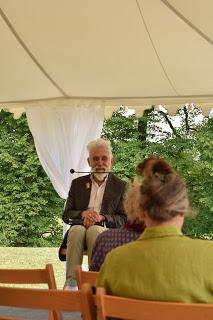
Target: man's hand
91,217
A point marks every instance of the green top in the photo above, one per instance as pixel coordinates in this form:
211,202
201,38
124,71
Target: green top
161,265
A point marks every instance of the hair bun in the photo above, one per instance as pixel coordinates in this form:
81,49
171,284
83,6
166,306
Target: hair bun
163,193
154,166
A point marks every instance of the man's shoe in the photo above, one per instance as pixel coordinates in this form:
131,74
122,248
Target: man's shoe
71,285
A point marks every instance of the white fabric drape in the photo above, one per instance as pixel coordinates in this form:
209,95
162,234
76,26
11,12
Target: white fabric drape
61,136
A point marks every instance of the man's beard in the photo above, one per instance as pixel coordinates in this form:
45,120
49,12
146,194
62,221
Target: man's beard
100,175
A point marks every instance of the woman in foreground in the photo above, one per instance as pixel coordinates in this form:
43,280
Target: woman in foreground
162,264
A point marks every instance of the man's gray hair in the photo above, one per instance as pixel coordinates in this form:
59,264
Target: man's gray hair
99,143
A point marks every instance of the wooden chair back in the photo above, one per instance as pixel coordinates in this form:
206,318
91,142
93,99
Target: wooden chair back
31,276
60,300
85,277
133,309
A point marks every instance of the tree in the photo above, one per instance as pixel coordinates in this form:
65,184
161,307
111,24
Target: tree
124,135
200,177
30,209
188,147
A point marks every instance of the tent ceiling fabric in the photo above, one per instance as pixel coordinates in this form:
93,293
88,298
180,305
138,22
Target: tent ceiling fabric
130,52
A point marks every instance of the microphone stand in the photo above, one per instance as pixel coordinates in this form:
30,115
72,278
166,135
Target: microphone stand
73,171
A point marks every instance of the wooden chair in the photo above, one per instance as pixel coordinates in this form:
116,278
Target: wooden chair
85,277
31,276
72,301
133,309
62,252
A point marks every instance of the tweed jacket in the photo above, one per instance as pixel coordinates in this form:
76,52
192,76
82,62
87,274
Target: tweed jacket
112,204
161,265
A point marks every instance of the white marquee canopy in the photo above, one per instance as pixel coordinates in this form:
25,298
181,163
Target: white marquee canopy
122,52
67,63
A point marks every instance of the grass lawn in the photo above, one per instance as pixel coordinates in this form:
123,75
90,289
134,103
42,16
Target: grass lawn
13,257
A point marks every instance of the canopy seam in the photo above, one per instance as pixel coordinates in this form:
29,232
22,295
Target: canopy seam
24,46
155,50
189,23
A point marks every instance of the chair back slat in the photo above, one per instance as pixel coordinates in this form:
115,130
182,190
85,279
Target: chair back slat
23,276
59,300
85,277
31,276
134,309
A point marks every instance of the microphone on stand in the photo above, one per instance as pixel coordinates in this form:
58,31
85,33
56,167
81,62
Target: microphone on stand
122,172
73,171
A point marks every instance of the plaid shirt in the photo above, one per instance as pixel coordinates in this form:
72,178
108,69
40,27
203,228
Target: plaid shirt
110,239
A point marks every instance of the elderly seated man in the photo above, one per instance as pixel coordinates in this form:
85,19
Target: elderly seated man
95,202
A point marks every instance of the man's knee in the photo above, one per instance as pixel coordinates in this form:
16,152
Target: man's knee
93,232
76,233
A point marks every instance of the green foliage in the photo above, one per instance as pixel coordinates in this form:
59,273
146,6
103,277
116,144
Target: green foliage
200,177
126,136
188,148
120,128
29,207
